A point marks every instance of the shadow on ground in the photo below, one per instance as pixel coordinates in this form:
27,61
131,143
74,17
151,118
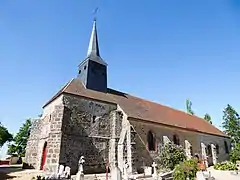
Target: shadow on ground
5,170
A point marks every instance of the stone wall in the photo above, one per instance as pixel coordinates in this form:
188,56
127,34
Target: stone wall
86,132
195,139
38,136
46,130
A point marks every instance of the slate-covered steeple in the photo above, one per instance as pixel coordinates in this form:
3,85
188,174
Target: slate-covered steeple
93,70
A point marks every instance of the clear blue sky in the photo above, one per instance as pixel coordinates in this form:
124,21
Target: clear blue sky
160,50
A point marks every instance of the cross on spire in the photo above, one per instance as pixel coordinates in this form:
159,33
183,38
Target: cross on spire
95,14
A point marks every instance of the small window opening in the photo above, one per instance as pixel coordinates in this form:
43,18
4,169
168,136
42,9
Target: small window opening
209,150
176,140
79,72
93,119
85,67
217,149
226,147
151,141
191,150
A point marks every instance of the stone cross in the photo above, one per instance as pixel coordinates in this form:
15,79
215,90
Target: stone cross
80,175
154,165
80,164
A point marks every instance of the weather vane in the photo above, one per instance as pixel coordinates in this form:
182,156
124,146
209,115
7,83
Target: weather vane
95,13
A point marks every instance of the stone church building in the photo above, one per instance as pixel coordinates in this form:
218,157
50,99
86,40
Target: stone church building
86,118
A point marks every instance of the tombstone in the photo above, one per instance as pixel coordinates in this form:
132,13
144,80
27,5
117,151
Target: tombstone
214,153
188,149
116,173
125,173
204,154
148,171
67,172
80,175
60,171
154,165
166,140
200,175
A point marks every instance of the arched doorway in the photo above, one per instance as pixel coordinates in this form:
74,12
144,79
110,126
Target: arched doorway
44,156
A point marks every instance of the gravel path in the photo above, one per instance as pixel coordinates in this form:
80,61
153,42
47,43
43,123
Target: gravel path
17,173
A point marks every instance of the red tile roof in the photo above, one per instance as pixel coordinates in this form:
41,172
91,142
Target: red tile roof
141,109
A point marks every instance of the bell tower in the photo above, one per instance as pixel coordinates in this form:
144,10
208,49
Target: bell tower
93,70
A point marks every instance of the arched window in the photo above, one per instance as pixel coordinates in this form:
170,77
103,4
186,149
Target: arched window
151,141
176,139
226,147
209,150
217,149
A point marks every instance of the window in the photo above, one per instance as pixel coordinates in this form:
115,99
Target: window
85,67
209,150
176,139
151,141
217,149
79,72
226,147
191,150
93,119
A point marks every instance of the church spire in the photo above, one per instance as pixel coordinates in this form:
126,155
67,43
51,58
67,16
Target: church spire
93,70
93,48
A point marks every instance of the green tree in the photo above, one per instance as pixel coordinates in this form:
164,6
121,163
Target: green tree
235,153
208,118
189,107
231,123
5,136
20,140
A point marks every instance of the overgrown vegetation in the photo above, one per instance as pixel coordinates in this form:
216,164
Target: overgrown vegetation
20,140
5,136
225,166
186,169
169,156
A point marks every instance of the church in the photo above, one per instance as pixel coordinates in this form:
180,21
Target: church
108,127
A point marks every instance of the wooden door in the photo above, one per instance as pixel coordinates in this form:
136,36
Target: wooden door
44,155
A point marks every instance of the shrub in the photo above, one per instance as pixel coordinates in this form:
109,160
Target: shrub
186,169
170,155
235,153
225,166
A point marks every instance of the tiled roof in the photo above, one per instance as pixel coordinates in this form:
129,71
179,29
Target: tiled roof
141,109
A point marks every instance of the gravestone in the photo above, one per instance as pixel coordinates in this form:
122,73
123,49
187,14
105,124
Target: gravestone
67,172
154,165
80,175
60,171
116,173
